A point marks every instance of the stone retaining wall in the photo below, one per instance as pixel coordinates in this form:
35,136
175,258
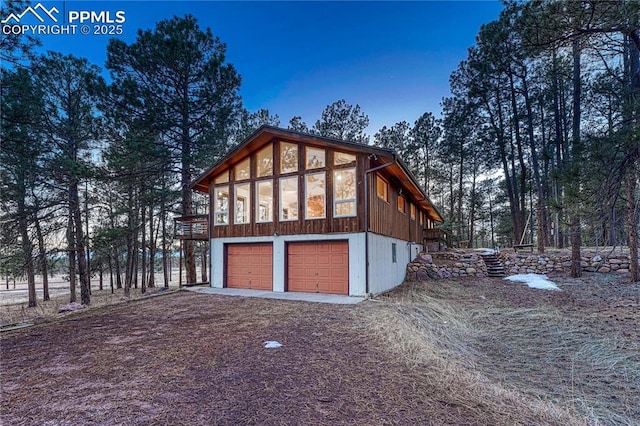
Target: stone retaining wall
460,263
446,265
521,263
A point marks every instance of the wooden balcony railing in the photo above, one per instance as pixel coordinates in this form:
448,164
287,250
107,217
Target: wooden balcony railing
437,234
194,227
437,239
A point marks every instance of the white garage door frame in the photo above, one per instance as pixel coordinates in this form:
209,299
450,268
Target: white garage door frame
357,262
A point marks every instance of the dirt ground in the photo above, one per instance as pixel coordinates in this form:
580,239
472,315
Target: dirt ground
439,352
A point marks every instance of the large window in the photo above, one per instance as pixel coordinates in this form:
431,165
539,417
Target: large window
221,204
264,201
382,188
264,159
315,158
288,157
315,191
344,192
242,171
243,204
289,198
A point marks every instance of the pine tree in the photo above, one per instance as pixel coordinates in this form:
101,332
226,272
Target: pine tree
21,154
189,92
69,128
343,121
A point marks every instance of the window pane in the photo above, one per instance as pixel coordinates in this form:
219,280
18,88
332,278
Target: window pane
315,195
402,204
344,192
345,208
314,158
222,177
413,211
265,161
264,204
340,158
382,188
289,198
221,205
243,204
243,170
288,157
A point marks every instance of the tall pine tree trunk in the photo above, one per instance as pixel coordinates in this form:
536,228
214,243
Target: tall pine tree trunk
634,153
576,169
116,261
204,263
522,181
42,256
110,262
559,159
143,249
632,224
86,235
187,196
74,208
152,250
129,267
576,242
459,218
165,252
472,209
540,215
27,251
71,253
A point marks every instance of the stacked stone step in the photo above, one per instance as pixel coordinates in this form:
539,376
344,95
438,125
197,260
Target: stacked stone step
494,266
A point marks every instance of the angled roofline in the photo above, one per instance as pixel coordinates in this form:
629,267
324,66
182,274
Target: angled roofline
198,181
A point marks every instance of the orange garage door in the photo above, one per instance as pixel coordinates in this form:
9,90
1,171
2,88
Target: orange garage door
318,267
250,266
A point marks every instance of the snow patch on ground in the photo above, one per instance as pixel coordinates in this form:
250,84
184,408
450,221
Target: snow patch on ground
271,344
534,281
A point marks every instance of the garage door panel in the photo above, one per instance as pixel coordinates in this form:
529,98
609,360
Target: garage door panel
318,267
250,266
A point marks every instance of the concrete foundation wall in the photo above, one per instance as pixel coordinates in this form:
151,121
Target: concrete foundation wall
356,257
384,272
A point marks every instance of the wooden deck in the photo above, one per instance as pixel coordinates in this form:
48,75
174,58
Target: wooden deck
437,239
194,227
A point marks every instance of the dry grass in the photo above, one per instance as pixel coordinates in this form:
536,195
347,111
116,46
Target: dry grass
544,352
16,313
440,338
522,356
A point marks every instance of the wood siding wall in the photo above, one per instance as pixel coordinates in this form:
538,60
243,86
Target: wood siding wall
386,219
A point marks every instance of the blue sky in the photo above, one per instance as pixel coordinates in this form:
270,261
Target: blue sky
392,58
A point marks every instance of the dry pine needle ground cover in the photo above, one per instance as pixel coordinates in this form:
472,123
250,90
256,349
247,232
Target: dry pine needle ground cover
446,352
